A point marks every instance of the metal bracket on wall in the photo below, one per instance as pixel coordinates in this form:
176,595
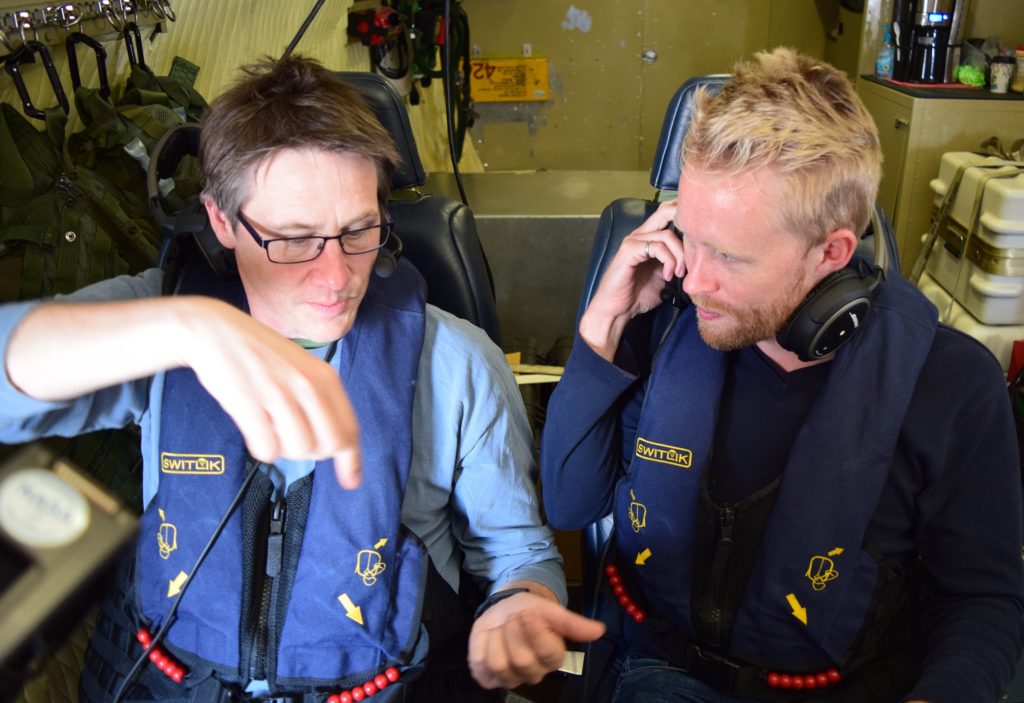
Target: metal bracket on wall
103,20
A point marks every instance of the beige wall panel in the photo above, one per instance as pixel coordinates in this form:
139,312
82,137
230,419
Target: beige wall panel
219,37
843,49
696,38
591,122
692,39
608,103
1001,18
430,129
802,24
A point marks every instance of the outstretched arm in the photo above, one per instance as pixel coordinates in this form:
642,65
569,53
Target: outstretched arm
285,402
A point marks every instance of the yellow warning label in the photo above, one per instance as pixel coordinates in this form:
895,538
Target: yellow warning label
509,80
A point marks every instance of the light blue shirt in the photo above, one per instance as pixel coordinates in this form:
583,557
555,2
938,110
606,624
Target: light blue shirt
471,495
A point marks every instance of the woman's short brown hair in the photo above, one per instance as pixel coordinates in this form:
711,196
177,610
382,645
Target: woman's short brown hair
801,119
290,103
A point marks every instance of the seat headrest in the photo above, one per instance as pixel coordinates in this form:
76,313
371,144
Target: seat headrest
665,170
389,107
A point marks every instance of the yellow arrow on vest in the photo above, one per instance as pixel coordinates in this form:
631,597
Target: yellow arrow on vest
175,584
352,610
836,552
799,612
643,556
380,543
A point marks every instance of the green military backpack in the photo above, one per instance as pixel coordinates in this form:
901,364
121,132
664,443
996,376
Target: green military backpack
62,224
74,211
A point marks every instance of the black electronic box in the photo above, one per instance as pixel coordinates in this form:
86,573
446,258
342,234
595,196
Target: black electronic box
60,537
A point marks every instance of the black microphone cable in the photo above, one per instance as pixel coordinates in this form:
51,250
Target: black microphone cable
169,619
446,67
302,30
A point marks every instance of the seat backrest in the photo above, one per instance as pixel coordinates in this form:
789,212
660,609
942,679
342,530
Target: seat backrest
624,215
438,234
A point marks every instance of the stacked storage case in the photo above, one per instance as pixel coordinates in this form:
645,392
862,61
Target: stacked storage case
973,260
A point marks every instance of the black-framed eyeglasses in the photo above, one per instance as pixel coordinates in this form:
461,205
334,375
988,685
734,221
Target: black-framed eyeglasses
299,250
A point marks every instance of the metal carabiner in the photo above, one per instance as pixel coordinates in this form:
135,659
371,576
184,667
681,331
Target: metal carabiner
23,54
75,38
135,56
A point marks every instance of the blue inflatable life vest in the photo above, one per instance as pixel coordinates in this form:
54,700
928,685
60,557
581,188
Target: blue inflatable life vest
812,583
356,593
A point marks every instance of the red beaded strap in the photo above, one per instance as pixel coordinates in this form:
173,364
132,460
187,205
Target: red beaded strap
174,670
367,688
619,589
799,682
170,666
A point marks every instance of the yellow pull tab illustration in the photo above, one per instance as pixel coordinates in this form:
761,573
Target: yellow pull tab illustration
822,569
352,611
370,564
799,612
166,536
175,584
637,513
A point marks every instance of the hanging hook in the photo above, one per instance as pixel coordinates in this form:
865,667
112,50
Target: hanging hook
128,7
24,54
165,5
106,9
22,20
65,16
75,38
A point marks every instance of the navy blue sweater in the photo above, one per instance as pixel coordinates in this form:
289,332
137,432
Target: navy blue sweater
953,498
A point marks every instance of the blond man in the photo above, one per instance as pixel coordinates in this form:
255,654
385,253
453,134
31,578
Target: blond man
807,506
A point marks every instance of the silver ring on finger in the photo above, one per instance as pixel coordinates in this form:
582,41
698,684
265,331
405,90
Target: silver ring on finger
647,249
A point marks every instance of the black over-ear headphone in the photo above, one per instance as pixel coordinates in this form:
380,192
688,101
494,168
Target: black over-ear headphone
174,146
837,307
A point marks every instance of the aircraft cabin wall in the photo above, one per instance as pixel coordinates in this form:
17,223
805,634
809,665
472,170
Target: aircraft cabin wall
219,37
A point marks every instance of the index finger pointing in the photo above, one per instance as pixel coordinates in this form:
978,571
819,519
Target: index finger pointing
348,468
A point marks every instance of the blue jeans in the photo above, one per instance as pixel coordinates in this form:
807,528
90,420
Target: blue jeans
644,680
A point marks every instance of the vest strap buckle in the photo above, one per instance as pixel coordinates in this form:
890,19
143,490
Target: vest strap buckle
711,668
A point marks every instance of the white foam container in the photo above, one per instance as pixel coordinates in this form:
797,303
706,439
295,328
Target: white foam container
998,338
992,298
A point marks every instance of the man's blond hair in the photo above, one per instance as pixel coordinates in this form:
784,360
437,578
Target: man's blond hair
802,119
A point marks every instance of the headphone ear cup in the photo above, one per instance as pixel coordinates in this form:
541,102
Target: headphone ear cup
193,220
385,264
387,256
829,316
